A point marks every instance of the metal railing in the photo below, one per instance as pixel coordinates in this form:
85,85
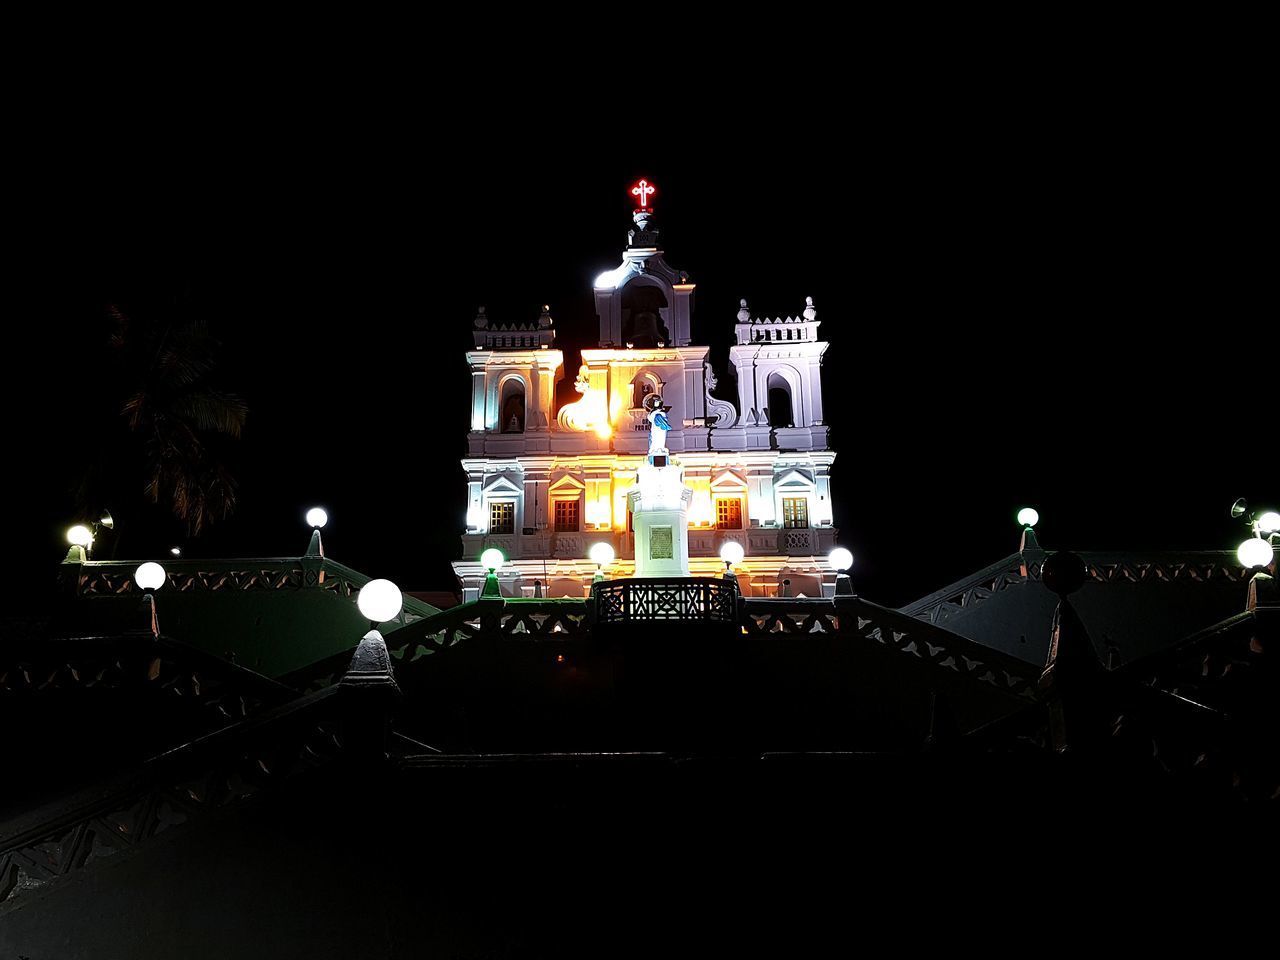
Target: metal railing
666,598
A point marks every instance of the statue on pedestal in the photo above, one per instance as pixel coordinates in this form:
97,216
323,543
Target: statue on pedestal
658,426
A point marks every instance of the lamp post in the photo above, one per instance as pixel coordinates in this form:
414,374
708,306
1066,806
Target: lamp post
1259,550
150,576
492,560
380,601
601,555
81,539
731,553
369,685
317,517
841,560
1028,517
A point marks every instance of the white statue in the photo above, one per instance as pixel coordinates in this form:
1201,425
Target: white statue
658,425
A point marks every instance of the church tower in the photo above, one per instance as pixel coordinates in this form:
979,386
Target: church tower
545,485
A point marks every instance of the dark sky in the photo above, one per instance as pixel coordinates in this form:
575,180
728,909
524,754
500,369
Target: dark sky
1058,302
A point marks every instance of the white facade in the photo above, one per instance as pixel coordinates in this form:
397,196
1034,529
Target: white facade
545,484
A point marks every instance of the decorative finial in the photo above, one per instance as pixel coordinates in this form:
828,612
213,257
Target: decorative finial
481,320
744,315
545,319
810,312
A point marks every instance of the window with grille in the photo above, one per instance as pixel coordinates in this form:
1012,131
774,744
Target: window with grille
795,511
729,513
566,515
502,516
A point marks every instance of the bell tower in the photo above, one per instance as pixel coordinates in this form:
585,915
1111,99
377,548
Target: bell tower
779,368
643,303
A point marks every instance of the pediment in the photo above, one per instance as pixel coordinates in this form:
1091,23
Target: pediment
566,484
728,480
794,478
501,485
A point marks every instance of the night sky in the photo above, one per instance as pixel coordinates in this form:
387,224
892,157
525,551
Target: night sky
1026,303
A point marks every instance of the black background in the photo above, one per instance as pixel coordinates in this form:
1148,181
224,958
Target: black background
1056,293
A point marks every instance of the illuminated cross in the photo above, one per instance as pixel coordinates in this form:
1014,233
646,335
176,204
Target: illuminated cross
642,190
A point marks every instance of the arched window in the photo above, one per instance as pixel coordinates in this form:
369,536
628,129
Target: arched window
780,408
642,317
511,406
643,384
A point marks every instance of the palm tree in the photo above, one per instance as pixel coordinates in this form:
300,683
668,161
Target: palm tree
179,418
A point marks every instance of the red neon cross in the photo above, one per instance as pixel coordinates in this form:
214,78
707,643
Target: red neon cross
642,190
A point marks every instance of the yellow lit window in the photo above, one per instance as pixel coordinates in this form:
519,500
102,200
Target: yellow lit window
729,513
795,511
502,516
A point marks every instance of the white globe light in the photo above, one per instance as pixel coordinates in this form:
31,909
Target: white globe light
840,558
1028,516
80,535
1255,552
1269,522
732,552
316,517
149,576
380,601
492,559
601,554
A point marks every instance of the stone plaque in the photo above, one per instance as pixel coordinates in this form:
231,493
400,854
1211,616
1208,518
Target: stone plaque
660,543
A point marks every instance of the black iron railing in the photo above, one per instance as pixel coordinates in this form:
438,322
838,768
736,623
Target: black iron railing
665,598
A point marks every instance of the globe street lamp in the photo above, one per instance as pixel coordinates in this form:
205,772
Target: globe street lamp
841,560
731,553
317,517
380,601
80,536
1258,550
1255,552
150,577
601,555
492,560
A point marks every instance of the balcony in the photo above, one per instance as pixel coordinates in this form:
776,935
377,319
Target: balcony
666,598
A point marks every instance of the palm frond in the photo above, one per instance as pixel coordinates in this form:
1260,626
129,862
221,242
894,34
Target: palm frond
213,411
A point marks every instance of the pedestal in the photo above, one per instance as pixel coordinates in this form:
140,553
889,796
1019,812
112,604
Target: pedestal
659,507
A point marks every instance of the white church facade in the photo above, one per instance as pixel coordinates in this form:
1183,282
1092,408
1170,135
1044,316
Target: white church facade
544,484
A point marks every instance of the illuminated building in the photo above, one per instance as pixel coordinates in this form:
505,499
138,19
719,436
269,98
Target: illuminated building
544,484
